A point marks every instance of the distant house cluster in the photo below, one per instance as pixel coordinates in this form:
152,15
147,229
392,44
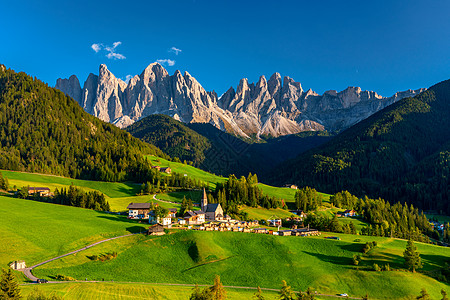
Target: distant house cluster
211,218
291,186
166,170
347,213
41,191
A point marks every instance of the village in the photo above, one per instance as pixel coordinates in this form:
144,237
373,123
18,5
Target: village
211,217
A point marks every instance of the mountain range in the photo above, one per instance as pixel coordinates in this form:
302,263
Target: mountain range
272,108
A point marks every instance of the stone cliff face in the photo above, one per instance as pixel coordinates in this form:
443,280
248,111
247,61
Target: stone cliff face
274,107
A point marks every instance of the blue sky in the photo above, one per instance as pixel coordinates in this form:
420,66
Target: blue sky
385,46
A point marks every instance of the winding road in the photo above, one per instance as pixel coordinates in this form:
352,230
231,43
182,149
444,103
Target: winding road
29,274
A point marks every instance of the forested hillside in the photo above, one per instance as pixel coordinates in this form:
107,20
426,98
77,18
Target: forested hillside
172,137
42,130
401,153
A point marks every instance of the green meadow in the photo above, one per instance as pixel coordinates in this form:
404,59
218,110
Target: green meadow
196,256
191,171
110,189
35,231
119,291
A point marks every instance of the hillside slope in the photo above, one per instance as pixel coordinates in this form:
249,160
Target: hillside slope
219,152
43,130
401,153
172,137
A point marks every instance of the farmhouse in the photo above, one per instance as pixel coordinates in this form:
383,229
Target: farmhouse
260,230
153,219
300,213
42,191
285,232
138,210
156,167
213,211
17,265
305,231
172,212
167,170
291,186
346,213
156,229
194,217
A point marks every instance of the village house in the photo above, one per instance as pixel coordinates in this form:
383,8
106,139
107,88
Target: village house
156,229
153,219
194,217
291,186
166,170
138,210
347,213
156,167
213,211
284,232
18,265
274,222
300,213
260,230
305,232
42,191
172,212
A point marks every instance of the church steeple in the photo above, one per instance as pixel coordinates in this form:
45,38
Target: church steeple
204,202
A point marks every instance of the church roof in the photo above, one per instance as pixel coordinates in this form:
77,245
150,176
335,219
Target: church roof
212,207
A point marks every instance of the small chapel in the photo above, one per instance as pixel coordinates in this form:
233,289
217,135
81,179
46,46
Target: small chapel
213,211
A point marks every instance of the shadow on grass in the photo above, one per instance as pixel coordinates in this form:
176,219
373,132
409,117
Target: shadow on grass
336,260
354,247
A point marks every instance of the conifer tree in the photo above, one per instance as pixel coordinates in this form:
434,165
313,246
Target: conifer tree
258,294
286,292
9,286
217,290
412,257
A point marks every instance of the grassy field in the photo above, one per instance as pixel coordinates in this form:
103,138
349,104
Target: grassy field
110,189
35,231
260,213
196,256
191,171
80,290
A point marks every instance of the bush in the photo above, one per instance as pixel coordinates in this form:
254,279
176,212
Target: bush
376,268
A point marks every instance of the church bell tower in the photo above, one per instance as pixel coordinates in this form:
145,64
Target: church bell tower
204,202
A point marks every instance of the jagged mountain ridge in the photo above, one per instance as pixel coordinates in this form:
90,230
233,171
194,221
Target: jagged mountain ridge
267,108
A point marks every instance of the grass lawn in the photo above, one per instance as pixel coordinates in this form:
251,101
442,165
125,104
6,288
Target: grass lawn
262,213
191,171
258,260
35,231
110,189
81,290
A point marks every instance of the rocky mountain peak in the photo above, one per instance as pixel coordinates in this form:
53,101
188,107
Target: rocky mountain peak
274,107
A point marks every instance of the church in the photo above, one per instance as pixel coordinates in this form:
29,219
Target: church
213,211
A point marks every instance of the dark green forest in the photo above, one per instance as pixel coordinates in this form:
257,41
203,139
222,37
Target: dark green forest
401,153
42,130
172,137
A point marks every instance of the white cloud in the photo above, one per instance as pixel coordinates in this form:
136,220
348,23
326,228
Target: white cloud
175,50
111,50
127,78
167,62
96,47
113,55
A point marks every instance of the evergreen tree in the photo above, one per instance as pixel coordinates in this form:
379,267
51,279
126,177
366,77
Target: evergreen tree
258,294
200,295
9,286
423,295
412,257
286,292
444,294
217,291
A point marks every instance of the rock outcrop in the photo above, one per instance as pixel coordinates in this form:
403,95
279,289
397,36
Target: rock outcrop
271,107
